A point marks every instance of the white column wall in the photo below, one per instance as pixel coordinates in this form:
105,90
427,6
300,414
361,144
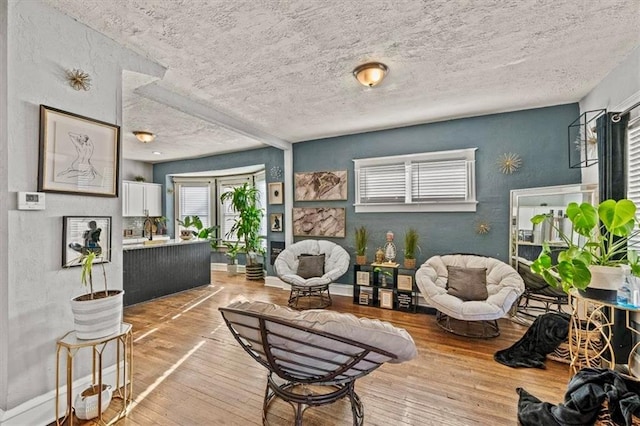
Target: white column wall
35,290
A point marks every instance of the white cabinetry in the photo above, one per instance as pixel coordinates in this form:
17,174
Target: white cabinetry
141,199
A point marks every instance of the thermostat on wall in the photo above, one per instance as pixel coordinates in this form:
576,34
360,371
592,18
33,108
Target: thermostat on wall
30,200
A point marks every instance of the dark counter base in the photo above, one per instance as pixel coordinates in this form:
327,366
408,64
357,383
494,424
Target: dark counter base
160,271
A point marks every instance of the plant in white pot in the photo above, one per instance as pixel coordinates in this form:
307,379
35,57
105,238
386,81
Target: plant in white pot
232,254
599,242
96,314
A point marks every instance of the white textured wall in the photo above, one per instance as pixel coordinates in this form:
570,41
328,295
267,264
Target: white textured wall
132,168
621,86
4,200
42,43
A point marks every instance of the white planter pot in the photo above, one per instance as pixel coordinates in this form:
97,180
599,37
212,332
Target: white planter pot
606,277
232,269
98,318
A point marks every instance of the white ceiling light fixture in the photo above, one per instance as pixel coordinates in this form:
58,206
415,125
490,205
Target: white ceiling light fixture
144,137
370,74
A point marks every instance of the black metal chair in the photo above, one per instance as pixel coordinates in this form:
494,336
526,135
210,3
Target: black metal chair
309,363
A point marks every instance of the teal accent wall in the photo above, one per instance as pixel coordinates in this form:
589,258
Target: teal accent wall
539,136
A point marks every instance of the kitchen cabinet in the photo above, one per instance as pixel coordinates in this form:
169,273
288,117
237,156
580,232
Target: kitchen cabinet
141,199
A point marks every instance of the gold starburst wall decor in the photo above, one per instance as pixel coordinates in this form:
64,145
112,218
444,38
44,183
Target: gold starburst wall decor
483,227
78,79
509,162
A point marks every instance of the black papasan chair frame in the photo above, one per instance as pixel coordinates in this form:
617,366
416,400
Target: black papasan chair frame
304,369
537,289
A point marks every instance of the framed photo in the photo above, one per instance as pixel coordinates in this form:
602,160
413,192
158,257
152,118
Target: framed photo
363,298
405,282
362,278
84,234
275,221
386,298
313,186
78,155
319,222
275,193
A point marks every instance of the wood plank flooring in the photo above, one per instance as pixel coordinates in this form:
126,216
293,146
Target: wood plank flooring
188,369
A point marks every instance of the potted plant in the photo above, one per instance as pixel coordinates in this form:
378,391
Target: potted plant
600,242
98,313
410,247
200,231
244,200
382,275
232,253
361,239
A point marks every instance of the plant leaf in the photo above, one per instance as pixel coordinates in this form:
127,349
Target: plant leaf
618,217
584,218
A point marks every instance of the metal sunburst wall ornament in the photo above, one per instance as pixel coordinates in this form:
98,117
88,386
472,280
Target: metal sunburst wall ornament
79,79
509,162
483,227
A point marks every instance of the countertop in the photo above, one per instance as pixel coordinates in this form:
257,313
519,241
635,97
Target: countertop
162,243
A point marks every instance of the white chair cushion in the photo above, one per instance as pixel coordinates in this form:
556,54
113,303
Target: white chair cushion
504,286
336,262
372,332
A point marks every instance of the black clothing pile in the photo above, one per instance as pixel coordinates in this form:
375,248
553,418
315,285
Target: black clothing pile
584,398
544,335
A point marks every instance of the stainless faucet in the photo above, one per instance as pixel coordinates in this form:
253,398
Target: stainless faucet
144,226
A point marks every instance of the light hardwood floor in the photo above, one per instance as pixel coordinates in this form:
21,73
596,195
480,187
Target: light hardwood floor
188,369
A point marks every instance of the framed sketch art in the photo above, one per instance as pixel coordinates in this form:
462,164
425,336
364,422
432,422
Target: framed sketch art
83,234
323,186
275,193
78,155
275,222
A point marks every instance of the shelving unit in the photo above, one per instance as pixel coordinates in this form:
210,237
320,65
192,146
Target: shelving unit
397,290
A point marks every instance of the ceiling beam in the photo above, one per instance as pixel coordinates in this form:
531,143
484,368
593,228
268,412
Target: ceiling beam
205,112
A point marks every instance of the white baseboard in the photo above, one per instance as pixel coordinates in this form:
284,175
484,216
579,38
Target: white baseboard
222,267
41,410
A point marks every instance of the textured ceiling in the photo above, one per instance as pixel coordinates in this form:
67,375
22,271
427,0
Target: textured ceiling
284,67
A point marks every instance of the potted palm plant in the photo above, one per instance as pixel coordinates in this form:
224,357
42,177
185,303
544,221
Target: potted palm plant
244,200
97,313
600,241
410,247
232,254
361,239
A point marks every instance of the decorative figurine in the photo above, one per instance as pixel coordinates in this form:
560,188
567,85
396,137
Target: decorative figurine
379,255
389,248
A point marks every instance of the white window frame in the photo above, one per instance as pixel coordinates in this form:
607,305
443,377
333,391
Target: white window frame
178,183
227,181
469,204
633,165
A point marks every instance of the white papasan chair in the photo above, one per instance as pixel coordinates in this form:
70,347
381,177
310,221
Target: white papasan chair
457,314
315,288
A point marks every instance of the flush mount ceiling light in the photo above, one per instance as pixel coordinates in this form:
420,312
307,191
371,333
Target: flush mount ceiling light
144,137
370,74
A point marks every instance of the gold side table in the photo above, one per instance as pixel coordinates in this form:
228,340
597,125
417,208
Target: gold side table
591,333
70,345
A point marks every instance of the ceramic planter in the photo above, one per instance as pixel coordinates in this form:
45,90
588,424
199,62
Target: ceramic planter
86,403
361,260
97,318
409,263
606,277
254,272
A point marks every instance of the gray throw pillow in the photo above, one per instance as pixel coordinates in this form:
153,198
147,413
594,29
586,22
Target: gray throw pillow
310,266
467,283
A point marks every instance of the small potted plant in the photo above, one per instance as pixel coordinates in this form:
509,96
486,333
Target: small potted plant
97,313
232,254
382,275
361,239
202,232
600,241
410,248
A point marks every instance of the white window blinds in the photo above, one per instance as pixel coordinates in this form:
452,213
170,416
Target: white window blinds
432,181
194,201
633,161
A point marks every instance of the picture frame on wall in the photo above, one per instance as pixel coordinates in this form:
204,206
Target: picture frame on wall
83,234
275,222
321,186
319,222
276,195
78,154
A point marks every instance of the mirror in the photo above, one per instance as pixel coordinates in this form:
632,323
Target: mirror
526,239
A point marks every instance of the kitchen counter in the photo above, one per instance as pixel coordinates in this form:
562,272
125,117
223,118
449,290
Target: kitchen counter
166,268
141,243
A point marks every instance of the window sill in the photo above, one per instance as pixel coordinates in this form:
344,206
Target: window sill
465,206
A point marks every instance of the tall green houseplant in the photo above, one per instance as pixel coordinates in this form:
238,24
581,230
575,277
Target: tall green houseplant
361,239
245,201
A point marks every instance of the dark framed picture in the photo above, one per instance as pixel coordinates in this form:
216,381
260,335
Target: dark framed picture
78,155
275,222
275,193
84,234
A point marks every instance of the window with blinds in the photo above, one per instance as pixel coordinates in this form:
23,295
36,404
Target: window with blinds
194,200
227,214
432,181
633,162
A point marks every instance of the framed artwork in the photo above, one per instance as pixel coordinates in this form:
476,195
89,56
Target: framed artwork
276,249
319,222
275,222
386,299
323,186
276,195
78,155
405,282
84,234
362,278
